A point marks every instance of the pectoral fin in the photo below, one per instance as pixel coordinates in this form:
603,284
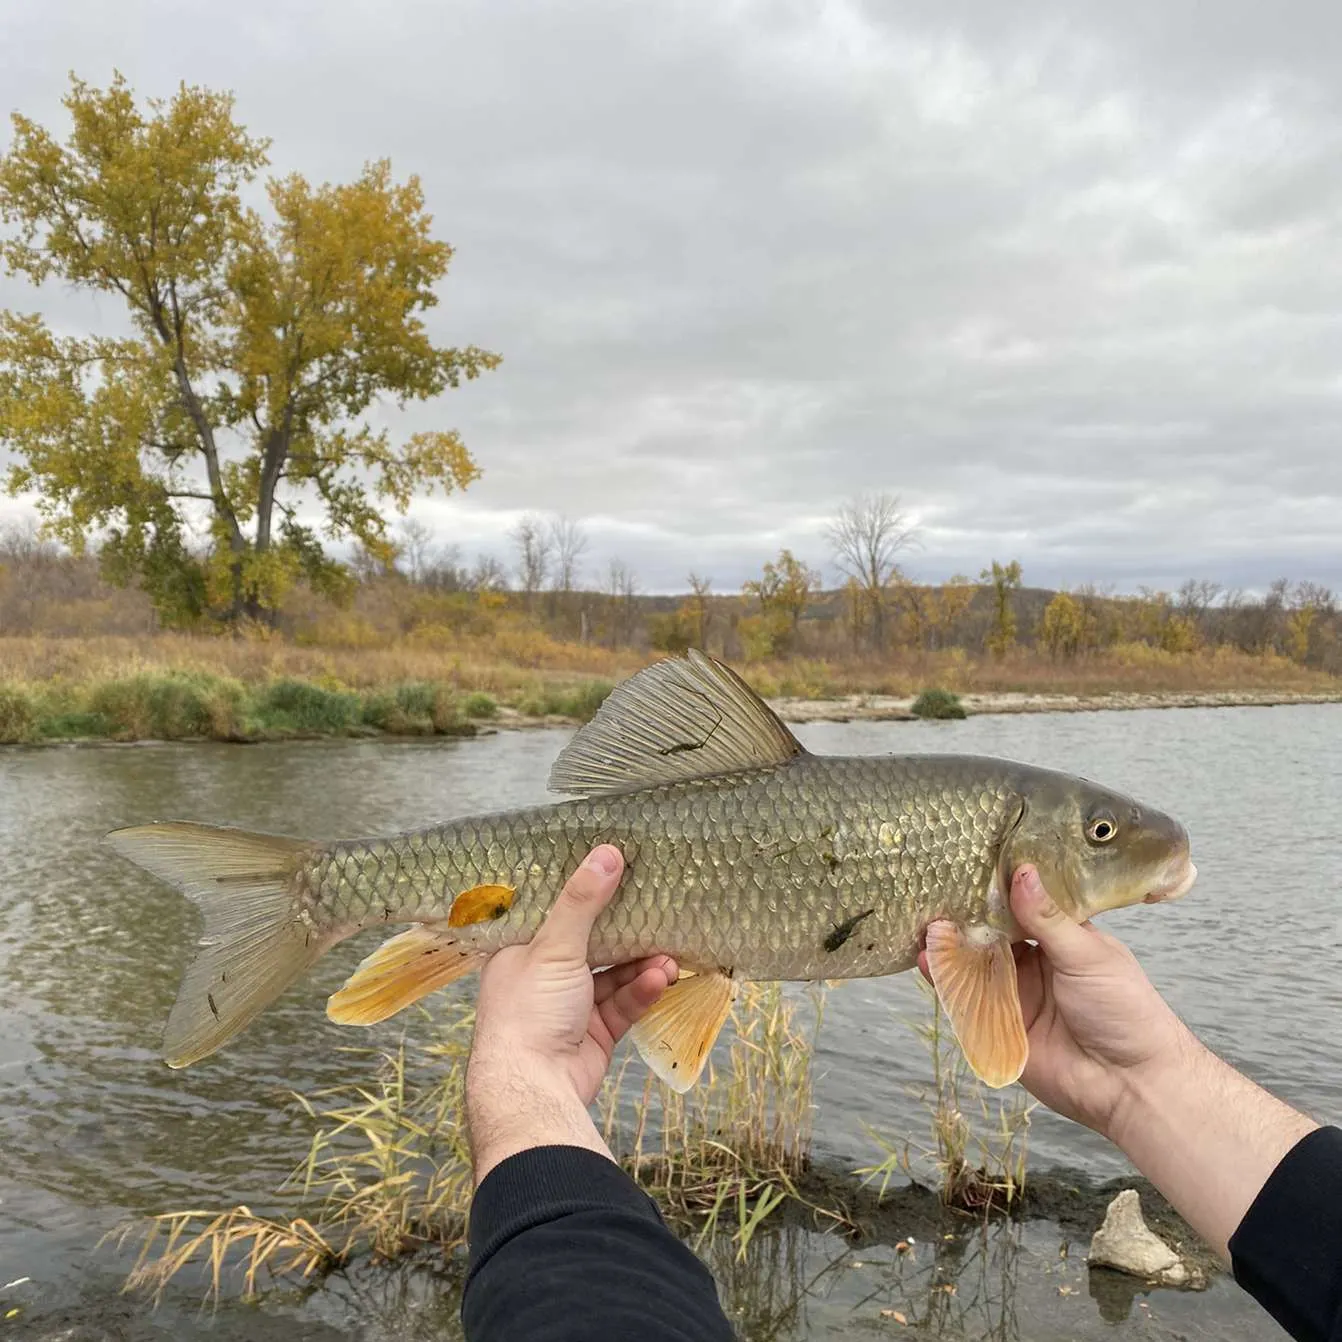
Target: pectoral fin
676,1036
480,904
974,974
400,972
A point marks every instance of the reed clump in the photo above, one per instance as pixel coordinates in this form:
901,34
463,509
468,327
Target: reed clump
979,1139
388,1169
936,703
728,1153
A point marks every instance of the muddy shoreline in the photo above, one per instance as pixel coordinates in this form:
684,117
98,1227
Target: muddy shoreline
1067,1197
908,1226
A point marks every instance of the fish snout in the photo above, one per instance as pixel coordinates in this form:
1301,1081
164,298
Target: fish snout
1179,883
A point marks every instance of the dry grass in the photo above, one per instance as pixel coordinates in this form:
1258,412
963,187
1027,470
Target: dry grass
728,1153
1134,668
180,685
500,667
257,1248
388,1169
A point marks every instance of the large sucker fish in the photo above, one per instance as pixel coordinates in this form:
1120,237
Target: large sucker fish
746,858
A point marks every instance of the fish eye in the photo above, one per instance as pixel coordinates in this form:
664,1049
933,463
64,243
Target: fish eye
1101,829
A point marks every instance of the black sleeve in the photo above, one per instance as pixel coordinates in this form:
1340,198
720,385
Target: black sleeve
565,1247
1287,1252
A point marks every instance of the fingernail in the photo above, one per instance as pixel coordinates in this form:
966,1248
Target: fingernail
605,859
1031,886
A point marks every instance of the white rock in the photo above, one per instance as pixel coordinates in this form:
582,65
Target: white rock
1125,1243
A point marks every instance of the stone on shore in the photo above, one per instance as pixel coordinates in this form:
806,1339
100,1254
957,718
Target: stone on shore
1126,1244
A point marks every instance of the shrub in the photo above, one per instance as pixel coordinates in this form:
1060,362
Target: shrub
938,704
479,705
295,706
164,706
568,701
71,725
18,717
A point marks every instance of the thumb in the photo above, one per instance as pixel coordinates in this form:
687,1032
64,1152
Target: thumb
568,925
1067,944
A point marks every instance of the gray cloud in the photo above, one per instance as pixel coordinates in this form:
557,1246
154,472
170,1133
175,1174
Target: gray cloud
1064,275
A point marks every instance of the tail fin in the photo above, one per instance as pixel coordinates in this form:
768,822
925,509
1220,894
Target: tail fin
254,944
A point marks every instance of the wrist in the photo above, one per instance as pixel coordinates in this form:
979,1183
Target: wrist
516,1101
1149,1089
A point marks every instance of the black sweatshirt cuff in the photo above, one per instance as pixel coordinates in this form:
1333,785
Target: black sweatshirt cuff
1287,1252
543,1184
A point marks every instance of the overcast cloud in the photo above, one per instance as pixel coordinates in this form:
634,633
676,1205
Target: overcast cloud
1066,276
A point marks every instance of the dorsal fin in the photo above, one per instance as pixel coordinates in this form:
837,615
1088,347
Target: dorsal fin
680,718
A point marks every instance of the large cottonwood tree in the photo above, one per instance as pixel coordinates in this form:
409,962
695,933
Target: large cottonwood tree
258,342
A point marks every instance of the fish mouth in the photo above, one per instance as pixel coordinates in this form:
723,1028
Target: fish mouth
1180,885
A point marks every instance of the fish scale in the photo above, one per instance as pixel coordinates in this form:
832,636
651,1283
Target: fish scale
748,872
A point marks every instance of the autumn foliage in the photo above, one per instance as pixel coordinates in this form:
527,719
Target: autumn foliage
255,344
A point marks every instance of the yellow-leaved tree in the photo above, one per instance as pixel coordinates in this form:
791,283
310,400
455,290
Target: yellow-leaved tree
256,345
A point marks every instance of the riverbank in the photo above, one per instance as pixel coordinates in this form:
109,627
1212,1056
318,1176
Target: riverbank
881,708
180,687
197,707
907,1267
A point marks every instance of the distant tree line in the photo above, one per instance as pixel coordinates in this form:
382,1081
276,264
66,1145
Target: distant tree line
416,587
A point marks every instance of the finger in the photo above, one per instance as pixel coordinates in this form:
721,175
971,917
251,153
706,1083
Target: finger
1029,981
1070,947
568,925
628,1004
605,983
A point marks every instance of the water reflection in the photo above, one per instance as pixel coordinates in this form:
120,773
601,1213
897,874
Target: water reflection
766,1290
994,1281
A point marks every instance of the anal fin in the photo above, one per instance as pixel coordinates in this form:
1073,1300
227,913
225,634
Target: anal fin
974,973
676,1036
401,971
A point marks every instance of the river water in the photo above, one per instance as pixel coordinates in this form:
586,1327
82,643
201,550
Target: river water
93,1127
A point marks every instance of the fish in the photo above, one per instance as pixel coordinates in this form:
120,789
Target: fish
747,858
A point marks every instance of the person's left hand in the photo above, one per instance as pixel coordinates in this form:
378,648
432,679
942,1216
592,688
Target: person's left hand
541,1009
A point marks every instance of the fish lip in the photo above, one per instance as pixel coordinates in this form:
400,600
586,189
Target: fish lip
1181,885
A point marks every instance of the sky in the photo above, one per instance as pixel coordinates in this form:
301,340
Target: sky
1064,275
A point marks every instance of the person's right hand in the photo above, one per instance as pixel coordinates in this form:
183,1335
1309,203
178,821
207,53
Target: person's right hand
1094,1021
1096,1026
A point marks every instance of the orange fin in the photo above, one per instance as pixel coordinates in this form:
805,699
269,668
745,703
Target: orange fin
974,974
676,1036
400,972
480,904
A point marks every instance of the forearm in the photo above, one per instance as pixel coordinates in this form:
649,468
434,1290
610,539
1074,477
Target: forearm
565,1247
1207,1137
511,1107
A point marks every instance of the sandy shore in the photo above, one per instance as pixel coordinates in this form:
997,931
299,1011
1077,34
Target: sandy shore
887,708
881,708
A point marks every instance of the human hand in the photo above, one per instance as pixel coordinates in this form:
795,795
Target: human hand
546,1025
1094,1021
1109,1052
1096,1026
